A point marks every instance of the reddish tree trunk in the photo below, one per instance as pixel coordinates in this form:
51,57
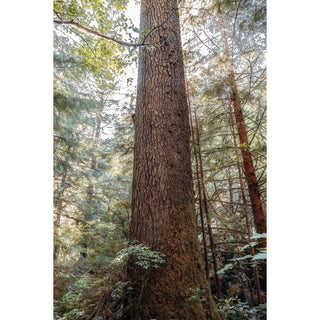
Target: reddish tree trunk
245,205
253,187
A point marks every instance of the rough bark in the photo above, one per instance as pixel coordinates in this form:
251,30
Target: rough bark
163,215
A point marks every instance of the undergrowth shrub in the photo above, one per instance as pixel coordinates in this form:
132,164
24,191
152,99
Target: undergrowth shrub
101,295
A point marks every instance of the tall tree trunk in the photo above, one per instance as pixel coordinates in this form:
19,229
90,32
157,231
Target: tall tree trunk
253,187
163,213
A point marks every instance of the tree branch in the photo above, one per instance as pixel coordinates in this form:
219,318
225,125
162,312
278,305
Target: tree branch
81,27
70,217
154,28
88,30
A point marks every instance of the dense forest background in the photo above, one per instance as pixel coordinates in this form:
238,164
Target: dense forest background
80,141
224,47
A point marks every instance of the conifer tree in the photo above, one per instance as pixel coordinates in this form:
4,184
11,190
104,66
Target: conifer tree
162,196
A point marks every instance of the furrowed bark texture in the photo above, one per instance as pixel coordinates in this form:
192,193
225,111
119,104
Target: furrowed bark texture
163,214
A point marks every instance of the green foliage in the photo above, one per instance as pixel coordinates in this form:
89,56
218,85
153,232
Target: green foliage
143,256
110,281
258,236
234,309
98,56
260,256
92,200
198,295
74,303
247,259
226,267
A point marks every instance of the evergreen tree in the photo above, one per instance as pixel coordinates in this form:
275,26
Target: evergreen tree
162,193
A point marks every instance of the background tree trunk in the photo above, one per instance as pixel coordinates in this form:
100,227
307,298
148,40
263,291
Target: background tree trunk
245,206
196,156
206,207
253,187
163,215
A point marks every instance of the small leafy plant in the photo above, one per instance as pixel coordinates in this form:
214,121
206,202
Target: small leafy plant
197,295
145,257
234,309
247,259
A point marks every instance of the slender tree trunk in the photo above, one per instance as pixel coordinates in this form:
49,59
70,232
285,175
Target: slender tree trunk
196,156
163,213
205,247
206,207
253,187
230,183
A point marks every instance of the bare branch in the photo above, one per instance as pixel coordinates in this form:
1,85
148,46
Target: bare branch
88,30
